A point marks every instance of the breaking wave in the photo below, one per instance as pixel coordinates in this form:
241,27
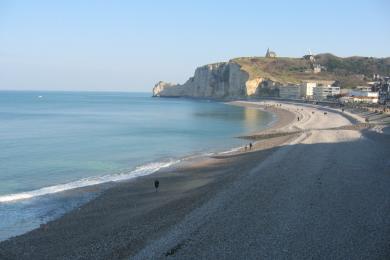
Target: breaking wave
142,170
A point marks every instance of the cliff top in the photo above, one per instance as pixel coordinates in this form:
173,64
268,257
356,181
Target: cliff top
349,71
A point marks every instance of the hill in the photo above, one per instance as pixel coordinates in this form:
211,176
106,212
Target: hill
349,72
260,76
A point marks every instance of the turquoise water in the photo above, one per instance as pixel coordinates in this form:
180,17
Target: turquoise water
57,141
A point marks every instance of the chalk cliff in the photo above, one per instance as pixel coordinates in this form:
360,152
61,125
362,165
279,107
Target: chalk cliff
219,80
259,76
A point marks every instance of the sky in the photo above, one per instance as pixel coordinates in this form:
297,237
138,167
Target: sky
130,45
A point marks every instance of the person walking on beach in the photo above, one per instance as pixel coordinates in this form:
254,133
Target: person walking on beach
156,184
250,146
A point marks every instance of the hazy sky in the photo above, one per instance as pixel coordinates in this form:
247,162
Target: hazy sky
130,45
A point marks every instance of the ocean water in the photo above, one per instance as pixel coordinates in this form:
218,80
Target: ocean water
54,142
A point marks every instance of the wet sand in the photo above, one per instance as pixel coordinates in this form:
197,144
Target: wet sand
272,201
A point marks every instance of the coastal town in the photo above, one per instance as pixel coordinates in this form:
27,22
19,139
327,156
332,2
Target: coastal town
376,93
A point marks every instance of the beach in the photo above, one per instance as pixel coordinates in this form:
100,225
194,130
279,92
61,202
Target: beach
316,187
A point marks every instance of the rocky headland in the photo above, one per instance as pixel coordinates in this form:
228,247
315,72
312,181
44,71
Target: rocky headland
262,76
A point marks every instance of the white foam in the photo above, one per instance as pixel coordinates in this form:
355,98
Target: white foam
137,172
236,149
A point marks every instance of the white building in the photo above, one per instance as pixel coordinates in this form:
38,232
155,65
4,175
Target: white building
364,88
360,99
307,89
290,91
323,91
359,93
316,68
270,54
362,96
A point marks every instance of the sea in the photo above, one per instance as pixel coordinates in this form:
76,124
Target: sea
54,143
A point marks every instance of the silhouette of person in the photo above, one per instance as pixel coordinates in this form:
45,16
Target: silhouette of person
156,184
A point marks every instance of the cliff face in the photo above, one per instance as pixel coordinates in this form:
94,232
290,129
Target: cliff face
219,80
259,76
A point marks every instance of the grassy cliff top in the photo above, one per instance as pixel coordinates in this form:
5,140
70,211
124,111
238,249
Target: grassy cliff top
349,72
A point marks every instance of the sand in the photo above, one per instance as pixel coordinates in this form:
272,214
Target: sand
318,190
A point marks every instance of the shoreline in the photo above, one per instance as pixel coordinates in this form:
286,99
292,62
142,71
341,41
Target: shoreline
164,164
192,163
100,187
131,218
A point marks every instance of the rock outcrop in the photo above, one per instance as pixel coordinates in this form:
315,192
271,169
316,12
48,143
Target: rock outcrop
166,89
219,80
253,85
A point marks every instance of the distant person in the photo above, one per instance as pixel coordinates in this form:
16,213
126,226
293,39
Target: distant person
250,146
156,184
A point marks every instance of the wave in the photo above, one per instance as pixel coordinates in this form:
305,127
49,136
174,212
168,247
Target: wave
233,150
137,172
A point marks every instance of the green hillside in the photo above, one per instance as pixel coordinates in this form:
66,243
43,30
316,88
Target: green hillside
349,72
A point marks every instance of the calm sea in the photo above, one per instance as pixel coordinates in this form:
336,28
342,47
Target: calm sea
54,142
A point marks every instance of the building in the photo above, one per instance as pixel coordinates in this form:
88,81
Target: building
290,92
384,91
322,92
307,89
376,76
345,92
310,57
364,88
360,99
382,85
270,54
317,68
361,95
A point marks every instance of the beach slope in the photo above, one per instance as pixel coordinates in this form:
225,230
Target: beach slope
316,189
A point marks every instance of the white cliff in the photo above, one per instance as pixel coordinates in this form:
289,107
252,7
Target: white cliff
219,80
166,89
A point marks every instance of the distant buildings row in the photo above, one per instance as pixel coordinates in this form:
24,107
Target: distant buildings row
309,90
376,93
361,94
378,90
